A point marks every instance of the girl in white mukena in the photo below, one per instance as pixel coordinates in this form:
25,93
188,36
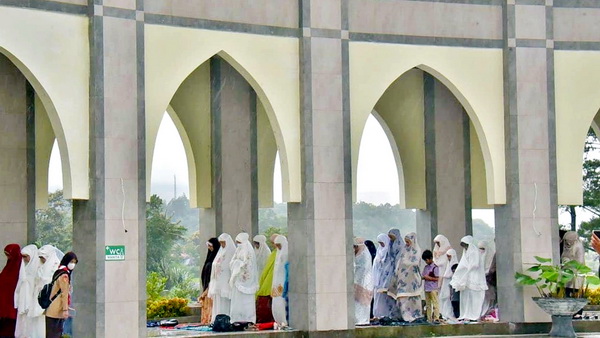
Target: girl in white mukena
280,281
446,309
218,289
469,279
243,281
488,252
262,251
24,292
49,260
440,247
363,282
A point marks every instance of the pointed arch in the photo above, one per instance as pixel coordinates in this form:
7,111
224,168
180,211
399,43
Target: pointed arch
397,158
474,76
577,79
174,53
189,154
58,70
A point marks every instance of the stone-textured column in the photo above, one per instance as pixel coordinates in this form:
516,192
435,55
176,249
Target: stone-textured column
448,175
234,168
109,292
31,171
13,156
320,228
527,225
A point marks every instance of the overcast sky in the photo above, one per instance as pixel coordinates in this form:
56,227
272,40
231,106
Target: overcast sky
377,176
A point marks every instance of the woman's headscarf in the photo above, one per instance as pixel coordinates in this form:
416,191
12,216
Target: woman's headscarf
210,257
265,280
9,278
24,291
439,250
412,252
244,274
363,276
281,259
220,273
572,248
372,249
470,273
453,260
490,251
47,269
397,245
262,253
67,258
383,264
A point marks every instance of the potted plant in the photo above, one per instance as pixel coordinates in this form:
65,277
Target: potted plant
551,282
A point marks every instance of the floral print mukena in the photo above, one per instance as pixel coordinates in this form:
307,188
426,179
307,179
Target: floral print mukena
408,288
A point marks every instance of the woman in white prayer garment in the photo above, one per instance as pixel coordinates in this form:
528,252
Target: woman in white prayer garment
24,293
445,301
243,281
469,280
280,282
49,259
441,245
383,270
488,251
262,251
363,282
218,289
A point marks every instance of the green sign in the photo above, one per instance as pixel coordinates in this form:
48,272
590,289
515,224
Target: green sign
114,253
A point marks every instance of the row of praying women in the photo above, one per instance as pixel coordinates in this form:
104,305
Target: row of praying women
392,277
26,272
244,281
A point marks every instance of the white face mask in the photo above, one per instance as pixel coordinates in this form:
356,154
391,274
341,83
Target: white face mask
71,266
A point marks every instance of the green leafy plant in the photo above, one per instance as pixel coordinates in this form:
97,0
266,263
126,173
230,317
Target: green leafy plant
167,308
155,286
551,280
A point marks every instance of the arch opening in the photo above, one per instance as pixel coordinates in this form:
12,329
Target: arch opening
401,108
201,73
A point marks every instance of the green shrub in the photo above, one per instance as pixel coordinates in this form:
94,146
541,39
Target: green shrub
185,289
155,286
167,308
593,296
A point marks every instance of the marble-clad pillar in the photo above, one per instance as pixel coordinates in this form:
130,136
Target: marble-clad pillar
527,225
110,296
320,227
234,152
13,156
448,174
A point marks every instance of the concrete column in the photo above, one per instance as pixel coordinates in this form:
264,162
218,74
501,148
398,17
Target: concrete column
235,171
528,224
320,227
447,157
13,156
31,167
110,296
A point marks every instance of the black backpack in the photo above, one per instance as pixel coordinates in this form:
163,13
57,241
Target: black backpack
44,298
222,323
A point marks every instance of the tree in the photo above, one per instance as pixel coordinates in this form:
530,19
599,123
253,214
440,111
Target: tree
180,211
585,231
54,225
161,236
370,220
274,230
272,217
482,231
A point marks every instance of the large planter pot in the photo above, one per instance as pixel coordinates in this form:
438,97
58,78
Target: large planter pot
562,311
